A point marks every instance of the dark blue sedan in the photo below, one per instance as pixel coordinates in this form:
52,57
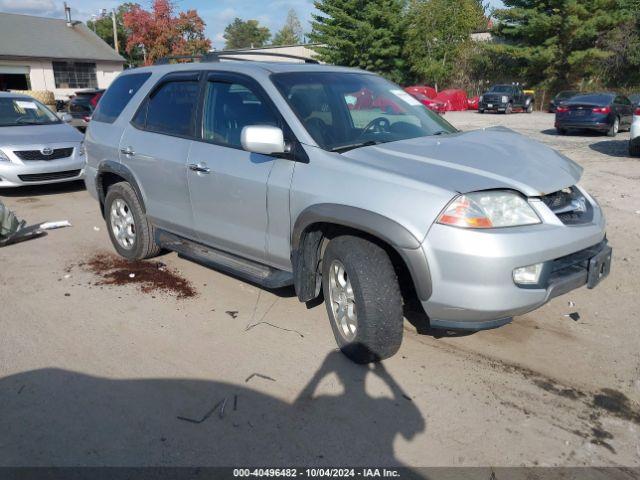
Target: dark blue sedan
602,112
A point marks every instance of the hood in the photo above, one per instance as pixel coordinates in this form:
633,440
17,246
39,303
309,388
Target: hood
477,160
39,134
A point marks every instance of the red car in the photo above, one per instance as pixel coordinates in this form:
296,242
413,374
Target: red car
431,104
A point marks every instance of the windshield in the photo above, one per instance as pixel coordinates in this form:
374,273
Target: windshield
501,89
15,111
342,111
566,94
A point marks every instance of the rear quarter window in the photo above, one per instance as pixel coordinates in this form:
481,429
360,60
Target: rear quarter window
118,96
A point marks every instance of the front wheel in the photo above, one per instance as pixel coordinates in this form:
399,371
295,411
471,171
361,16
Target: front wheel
363,299
509,109
530,108
634,148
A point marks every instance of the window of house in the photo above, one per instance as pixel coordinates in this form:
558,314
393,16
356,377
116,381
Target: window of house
75,74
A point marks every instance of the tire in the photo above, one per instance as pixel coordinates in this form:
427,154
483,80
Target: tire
529,108
634,148
509,109
561,131
375,301
143,245
480,110
614,129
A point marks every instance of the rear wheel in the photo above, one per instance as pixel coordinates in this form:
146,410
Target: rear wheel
615,128
363,299
130,231
561,131
634,148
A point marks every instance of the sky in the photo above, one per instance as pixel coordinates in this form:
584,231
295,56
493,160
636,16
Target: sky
217,14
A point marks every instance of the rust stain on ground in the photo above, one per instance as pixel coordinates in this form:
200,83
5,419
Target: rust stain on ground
149,276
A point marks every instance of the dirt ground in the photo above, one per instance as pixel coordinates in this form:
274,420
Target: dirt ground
181,365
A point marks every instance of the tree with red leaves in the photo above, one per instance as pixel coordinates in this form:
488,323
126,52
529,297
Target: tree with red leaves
162,33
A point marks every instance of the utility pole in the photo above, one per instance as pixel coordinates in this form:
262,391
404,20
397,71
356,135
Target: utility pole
115,30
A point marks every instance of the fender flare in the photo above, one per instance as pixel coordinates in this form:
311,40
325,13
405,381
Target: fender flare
117,168
305,249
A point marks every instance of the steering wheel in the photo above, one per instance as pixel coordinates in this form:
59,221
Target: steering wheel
377,125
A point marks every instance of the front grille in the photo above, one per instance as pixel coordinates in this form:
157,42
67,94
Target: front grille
492,98
42,177
56,154
569,205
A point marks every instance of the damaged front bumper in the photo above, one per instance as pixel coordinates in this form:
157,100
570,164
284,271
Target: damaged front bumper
472,271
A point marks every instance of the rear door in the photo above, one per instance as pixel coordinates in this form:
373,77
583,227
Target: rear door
229,186
155,146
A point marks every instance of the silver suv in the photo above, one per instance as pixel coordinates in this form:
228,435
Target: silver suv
338,182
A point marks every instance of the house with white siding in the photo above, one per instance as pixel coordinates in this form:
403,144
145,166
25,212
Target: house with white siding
61,56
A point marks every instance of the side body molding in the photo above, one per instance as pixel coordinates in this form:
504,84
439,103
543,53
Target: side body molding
116,168
305,247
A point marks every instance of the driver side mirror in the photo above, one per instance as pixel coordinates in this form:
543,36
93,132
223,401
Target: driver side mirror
66,118
263,139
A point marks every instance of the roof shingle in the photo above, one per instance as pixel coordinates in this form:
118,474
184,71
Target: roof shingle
28,36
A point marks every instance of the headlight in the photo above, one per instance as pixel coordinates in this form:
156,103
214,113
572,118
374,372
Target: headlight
82,149
3,157
490,209
505,99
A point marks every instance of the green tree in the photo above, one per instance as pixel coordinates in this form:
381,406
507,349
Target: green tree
245,34
438,36
557,42
103,27
622,67
291,32
367,34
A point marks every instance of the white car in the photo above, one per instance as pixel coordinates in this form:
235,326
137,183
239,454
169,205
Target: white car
634,143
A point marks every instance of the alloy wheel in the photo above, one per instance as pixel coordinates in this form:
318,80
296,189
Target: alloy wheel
122,224
342,299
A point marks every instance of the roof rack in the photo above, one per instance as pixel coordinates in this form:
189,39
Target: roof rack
222,55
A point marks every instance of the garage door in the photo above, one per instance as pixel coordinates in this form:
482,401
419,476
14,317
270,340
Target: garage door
14,69
14,77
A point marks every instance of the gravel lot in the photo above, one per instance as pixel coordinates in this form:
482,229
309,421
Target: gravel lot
98,368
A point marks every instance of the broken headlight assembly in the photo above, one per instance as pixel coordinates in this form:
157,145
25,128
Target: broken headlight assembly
489,209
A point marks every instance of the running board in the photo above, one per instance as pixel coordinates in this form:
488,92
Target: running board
226,262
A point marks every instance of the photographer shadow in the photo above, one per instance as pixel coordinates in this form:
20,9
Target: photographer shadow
54,417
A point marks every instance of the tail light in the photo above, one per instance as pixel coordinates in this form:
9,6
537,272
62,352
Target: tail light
602,110
95,99
86,118
562,109
637,112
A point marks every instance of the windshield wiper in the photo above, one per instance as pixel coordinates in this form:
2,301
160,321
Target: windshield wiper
346,148
441,132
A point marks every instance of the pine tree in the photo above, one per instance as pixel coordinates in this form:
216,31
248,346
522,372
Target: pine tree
291,32
557,42
367,34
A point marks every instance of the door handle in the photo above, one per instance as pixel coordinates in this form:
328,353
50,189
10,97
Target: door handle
127,151
199,168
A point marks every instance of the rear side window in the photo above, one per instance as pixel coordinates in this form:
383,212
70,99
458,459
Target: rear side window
171,108
118,96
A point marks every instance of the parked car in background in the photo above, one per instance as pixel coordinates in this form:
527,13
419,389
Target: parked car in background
604,112
505,99
561,97
82,105
36,147
635,99
634,142
433,105
263,170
